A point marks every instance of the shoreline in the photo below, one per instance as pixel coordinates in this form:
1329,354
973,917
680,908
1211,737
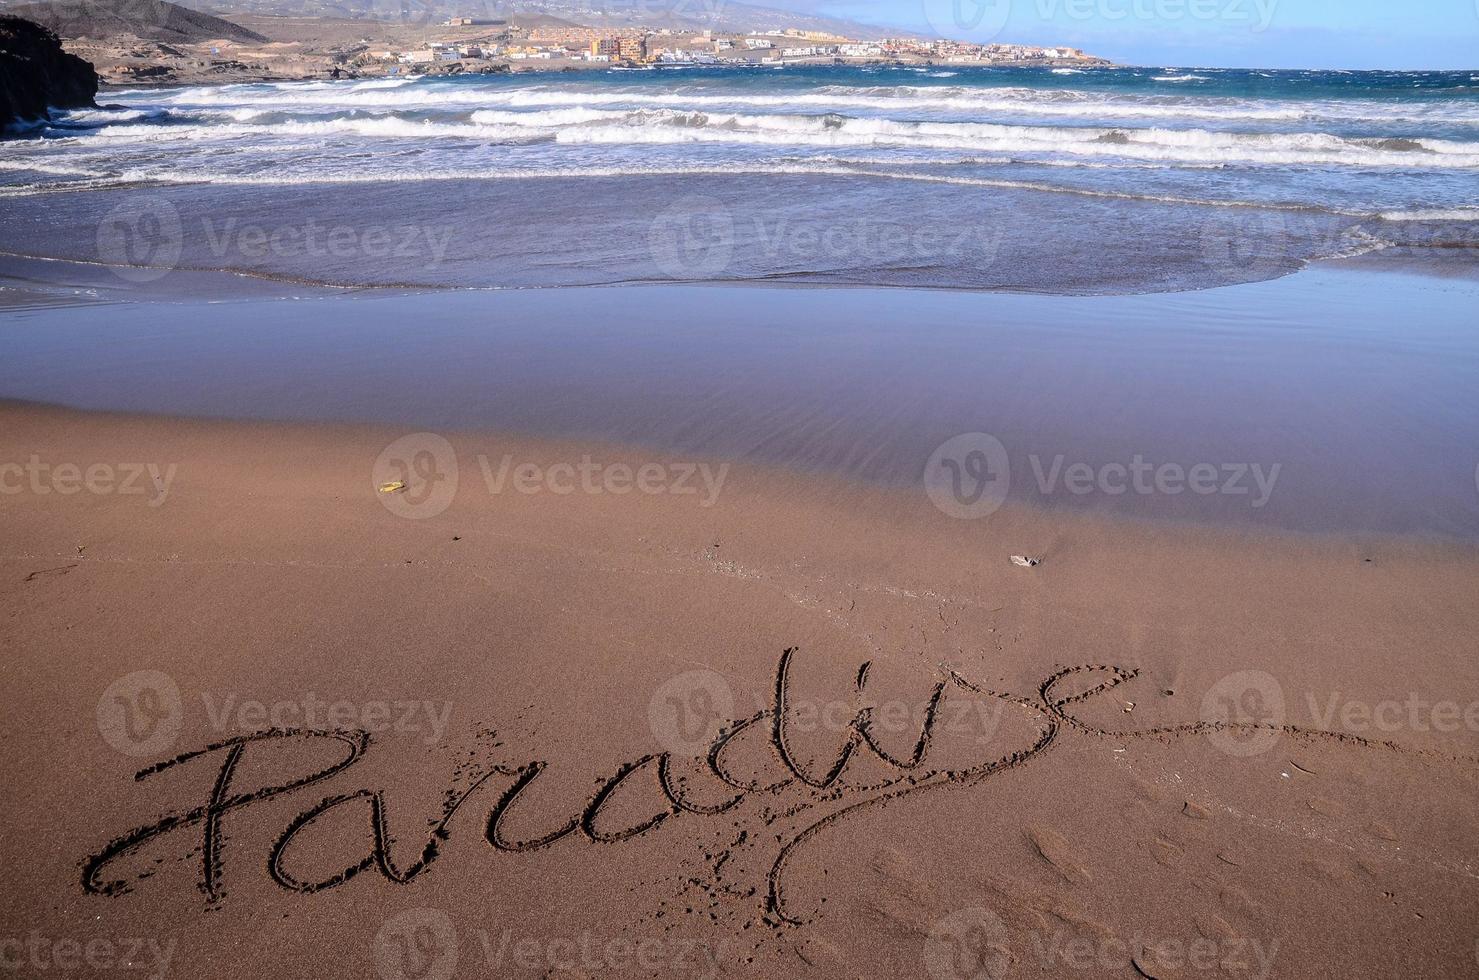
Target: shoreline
834,399
888,498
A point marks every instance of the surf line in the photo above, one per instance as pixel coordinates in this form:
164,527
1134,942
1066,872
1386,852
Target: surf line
827,798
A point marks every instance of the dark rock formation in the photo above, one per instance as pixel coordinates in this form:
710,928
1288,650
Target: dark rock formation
36,74
152,20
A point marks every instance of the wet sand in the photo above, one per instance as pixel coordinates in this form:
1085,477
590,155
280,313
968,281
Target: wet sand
1164,749
1331,401
631,632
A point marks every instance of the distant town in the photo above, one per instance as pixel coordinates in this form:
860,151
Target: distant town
576,46
149,42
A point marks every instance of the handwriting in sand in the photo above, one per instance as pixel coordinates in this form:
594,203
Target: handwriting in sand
822,799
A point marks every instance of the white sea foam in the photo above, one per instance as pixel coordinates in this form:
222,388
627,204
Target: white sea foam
1433,214
657,126
1138,145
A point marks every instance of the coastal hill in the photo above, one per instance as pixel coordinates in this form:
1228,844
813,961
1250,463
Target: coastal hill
718,15
36,74
151,42
150,20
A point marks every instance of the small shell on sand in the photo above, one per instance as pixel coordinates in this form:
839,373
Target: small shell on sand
1024,561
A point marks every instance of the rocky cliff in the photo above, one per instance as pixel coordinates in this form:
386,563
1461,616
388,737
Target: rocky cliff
36,74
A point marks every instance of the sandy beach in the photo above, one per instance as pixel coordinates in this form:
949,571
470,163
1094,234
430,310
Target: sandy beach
897,521
559,707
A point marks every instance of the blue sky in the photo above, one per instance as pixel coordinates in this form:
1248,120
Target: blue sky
1401,34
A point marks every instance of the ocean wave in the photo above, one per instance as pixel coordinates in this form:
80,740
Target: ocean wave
1053,102
384,127
432,175
1165,145
654,126
1432,214
853,169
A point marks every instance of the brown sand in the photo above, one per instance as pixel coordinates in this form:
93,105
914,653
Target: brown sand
550,641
